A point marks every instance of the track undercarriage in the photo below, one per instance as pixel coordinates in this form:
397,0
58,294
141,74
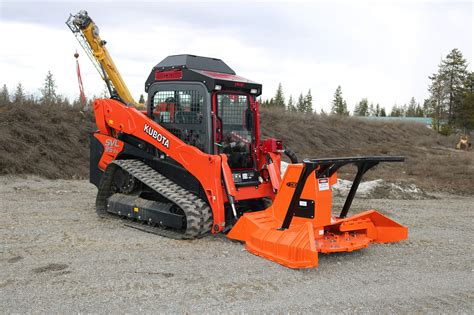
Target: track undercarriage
132,190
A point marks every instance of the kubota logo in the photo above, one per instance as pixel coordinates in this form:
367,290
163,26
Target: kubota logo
291,184
156,135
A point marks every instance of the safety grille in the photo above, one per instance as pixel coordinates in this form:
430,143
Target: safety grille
232,109
180,112
179,107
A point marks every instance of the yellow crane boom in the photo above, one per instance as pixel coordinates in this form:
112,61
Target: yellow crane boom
87,33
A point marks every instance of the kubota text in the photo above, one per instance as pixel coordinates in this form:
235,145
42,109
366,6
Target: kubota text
158,136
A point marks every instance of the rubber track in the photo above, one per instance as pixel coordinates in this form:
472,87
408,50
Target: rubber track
198,214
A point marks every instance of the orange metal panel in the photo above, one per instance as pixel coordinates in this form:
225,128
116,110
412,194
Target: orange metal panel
298,246
111,114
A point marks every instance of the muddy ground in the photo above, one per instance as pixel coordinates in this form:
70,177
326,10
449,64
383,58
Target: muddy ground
57,256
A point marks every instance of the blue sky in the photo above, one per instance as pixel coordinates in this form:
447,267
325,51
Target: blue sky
383,50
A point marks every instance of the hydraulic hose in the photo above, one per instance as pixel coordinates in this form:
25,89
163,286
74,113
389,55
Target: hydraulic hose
291,155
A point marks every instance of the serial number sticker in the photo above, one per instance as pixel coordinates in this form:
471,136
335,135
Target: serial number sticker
303,203
323,184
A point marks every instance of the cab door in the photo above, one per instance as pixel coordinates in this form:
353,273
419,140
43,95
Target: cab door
184,109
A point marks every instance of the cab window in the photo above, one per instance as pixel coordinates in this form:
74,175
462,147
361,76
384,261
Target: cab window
178,107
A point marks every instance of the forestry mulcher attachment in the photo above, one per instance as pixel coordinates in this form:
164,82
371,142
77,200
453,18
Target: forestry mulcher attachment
194,163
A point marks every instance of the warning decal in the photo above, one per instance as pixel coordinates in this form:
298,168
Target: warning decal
323,184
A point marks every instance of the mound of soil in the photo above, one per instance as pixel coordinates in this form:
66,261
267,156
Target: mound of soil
53,141
46,140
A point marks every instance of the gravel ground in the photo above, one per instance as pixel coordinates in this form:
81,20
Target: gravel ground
57,256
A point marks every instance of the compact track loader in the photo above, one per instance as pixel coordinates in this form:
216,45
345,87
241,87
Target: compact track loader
193,163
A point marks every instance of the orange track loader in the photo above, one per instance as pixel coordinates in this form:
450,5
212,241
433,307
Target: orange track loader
194,163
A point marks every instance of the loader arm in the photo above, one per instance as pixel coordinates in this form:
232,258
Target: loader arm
113,117
87,33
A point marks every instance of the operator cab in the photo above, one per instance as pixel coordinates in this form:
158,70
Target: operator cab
204,103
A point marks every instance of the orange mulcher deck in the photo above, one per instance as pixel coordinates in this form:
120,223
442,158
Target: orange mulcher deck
299,223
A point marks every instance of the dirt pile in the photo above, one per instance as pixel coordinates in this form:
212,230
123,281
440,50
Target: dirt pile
53,142
431,163
46,140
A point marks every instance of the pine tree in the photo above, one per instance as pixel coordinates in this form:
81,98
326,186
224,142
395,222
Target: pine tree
411,109
437,100
426,108
267,103
377,110
291,105
466,113
403,110
419,111
382,112
63,101
49,89
345,110
300,105
19,96
371,109
396,111
469,83
4,95
362,108
308,102
447,88
271,103
339,105
141,100
77,103
279,98
454,68
465,117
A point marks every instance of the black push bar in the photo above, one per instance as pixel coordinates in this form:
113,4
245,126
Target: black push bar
325,168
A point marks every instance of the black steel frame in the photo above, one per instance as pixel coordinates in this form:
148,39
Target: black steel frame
325,168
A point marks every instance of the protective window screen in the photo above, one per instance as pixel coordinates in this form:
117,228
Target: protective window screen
232,109
178,107
180,112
